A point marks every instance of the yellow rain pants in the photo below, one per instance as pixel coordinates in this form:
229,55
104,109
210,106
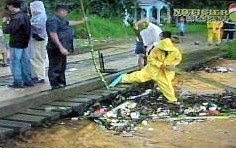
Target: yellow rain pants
165,54
214,31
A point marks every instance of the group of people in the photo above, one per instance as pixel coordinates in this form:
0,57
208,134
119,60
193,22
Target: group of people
158,55
33,38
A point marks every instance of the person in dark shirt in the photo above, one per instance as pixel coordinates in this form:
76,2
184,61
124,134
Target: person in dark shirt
228,30
60,43
18,26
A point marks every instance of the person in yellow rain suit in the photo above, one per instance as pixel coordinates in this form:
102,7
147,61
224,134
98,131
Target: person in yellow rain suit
164,56
214,31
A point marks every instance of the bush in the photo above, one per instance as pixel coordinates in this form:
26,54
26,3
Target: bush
190,28
229,48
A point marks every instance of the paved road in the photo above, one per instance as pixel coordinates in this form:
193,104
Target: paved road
80,68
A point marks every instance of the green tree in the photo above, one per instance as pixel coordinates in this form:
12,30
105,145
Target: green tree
198,4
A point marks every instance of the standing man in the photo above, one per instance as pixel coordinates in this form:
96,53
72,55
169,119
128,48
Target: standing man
38,41
18,26
228,30
139,49
150,34
60,43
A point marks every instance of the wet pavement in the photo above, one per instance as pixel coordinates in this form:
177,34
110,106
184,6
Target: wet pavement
80,68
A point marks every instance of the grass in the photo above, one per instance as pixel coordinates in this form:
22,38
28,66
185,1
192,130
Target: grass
190,28
230,49
102,28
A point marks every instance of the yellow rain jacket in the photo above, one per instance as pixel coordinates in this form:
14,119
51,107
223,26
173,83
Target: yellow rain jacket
214,31
165,54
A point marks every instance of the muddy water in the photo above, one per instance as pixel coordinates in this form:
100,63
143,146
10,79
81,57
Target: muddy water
184,83
86,134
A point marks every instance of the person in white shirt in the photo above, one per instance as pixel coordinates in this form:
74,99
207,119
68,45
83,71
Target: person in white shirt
3,49
150,34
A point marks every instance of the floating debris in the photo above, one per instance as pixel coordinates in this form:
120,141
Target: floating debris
196,43
146,93
146,106
126,134
72,69
150,129
49,109
218,70
74,118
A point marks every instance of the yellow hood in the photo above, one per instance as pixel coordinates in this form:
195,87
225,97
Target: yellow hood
167,45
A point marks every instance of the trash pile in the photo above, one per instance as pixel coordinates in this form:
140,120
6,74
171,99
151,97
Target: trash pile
218,70
149,106
210,68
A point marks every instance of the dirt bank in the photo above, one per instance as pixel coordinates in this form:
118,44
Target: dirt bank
185,83
220,133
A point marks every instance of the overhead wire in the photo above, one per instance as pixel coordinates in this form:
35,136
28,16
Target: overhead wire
92,47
